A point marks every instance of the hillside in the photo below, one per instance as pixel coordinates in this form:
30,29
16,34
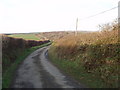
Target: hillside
54,36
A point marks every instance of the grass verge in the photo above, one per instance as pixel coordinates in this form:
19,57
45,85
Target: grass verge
76,70
7,77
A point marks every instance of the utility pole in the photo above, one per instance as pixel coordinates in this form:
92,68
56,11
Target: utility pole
76,27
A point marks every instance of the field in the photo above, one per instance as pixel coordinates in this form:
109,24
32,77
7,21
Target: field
25,36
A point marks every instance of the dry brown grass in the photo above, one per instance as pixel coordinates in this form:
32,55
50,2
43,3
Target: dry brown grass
97,52
90,38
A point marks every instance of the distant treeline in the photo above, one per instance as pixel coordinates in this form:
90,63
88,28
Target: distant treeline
12,47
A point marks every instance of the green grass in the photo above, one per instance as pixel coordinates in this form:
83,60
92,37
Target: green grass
25,36
8,75
77,71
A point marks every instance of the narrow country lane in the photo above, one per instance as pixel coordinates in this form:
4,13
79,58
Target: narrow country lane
38,72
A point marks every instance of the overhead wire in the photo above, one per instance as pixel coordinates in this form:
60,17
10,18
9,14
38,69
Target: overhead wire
99,13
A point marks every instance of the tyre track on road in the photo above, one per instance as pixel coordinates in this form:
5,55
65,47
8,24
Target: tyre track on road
37,71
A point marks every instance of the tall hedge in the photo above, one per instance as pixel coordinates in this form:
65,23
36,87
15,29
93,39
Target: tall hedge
12,47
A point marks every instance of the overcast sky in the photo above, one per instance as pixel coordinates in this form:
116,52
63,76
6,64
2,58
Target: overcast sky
21,16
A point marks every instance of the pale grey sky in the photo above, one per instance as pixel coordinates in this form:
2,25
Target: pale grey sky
20,16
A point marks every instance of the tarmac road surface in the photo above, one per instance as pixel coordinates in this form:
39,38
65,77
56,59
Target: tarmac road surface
36,71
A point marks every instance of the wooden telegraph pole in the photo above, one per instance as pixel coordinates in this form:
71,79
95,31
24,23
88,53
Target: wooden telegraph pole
76,27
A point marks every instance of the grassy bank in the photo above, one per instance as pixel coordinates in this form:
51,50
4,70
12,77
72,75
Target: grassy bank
91,58
8,74
76,69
